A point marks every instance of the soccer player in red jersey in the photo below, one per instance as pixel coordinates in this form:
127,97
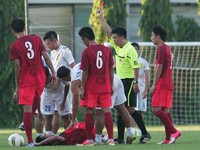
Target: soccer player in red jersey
162,88
26,52
97,80
72,136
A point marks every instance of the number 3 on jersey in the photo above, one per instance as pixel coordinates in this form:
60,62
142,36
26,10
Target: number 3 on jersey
99,61
30,53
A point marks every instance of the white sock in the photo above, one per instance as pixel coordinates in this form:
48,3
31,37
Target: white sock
49,132
39,134
130,130
98,137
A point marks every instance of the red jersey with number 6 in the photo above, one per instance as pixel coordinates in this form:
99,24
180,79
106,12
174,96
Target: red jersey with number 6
98,60
164,56
28,49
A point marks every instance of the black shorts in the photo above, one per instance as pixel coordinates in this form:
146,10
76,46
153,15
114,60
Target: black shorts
130,94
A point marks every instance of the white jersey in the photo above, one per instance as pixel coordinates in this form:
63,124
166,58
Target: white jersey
118,96
142,103
62,57
76,72
141,74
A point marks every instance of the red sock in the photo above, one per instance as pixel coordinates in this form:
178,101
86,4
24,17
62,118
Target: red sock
109,124
169,128
27,119
89,125
170,117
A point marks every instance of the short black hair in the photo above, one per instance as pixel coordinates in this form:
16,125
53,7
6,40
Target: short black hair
39,139
87,32
51,35
63,72
135,44
47,72
120,31
17,25
160,30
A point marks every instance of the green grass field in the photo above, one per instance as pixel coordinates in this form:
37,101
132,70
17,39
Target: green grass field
189,140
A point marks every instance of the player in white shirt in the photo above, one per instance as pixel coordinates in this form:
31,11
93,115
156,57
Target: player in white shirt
143,83
53,98
118,99
60,56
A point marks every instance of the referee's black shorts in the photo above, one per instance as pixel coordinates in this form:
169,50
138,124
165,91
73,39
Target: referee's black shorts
130,94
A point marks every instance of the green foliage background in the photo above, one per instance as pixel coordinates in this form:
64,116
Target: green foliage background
9,109
156,12
114,12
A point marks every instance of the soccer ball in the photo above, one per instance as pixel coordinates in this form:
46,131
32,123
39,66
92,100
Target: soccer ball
16,140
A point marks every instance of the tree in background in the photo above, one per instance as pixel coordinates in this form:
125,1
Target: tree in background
187,29
114,13
9,109
156,12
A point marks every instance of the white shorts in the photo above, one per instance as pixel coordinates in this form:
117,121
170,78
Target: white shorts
118,96
49,105
141,103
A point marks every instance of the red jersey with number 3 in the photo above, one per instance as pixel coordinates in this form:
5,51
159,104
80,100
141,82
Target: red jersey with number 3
28,49
98,60
164,56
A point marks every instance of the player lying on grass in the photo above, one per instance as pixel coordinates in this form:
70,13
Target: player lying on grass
118,99
72,136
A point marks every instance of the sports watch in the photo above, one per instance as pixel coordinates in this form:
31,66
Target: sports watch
135,82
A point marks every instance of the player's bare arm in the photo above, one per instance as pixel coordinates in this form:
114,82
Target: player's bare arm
105,25
75,91
49,63
66,91
147,78
135,87
158,71
17,73
83,83
72,65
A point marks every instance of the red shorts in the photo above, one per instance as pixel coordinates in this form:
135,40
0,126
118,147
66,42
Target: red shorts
28,94
93,100
162,98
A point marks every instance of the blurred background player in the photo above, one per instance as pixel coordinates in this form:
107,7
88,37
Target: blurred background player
30,78
162,87
127,66
143,83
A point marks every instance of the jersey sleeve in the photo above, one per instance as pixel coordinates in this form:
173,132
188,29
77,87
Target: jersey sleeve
13,54
68,56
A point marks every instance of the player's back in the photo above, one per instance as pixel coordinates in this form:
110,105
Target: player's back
97,59
28,49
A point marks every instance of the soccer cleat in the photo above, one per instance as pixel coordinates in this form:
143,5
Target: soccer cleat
164,142
21,126
130,139
30,145
118,141
174,137
87,143
145,138
110,142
